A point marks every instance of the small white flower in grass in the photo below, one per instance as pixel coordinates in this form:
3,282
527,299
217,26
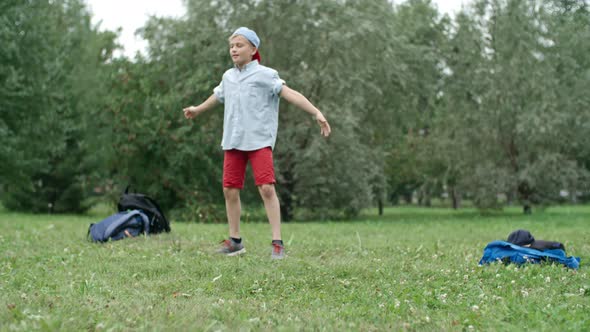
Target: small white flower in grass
465,277
427,319
381,305
471,327
497,275
547,279
474,308
513,282
397,303
524,292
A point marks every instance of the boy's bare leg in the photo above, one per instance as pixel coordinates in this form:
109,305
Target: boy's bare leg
272,207
233,208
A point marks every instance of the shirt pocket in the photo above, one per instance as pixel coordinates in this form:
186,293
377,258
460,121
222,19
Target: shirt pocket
257,100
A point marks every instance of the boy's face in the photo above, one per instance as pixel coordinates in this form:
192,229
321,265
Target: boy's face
241,50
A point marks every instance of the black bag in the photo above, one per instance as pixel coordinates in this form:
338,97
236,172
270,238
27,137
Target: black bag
134,201
119,226
524,238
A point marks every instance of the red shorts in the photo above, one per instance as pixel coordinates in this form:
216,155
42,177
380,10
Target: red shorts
234,167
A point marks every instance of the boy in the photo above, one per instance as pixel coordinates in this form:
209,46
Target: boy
250,93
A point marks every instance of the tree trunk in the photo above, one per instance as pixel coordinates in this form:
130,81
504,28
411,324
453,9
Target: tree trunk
408,197
286,208
526,209
285,197
510,197
455,198
380,205
525,193
427,200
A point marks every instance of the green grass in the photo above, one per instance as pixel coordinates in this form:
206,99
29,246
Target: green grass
411,269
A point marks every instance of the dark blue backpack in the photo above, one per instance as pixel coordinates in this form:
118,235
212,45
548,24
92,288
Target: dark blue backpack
119,226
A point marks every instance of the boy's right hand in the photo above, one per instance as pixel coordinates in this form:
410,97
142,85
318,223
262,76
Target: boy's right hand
190,112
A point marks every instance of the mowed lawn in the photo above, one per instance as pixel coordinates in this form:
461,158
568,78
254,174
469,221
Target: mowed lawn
412,269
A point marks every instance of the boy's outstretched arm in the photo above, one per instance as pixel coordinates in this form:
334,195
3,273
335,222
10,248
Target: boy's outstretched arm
192,111
300,101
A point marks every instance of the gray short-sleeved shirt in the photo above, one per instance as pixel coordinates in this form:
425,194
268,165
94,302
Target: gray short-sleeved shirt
251,107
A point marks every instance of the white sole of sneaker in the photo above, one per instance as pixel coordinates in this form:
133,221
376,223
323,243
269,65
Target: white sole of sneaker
239,252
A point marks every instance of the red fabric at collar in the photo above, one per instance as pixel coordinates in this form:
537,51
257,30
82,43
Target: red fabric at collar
256,56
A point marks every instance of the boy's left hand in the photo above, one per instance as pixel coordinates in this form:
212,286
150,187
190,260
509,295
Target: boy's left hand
324,125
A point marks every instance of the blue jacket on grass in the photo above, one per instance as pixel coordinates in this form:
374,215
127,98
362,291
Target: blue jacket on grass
505,251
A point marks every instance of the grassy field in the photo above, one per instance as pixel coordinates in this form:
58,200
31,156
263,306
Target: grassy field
412,269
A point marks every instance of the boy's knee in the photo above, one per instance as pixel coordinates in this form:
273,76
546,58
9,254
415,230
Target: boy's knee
231,193
267,191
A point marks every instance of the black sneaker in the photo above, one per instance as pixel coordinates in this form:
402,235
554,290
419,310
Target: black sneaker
230,247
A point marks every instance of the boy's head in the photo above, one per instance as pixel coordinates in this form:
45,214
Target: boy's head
243,46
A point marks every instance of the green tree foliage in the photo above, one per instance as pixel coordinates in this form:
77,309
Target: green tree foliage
147,142
492,103
153,144
509,120
50,75
335,71
568,31
418,35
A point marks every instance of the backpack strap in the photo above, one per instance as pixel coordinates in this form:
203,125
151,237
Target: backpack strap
88,237
146,221
123,218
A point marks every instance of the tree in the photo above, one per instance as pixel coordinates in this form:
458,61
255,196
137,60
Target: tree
569,39
186,60
509,120
418,36
50,75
